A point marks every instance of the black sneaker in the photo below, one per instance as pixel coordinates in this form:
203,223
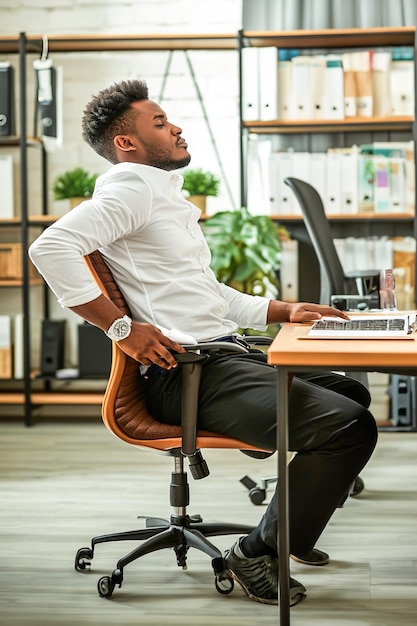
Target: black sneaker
258,577
314,557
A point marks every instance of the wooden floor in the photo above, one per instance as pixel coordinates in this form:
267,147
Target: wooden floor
62,483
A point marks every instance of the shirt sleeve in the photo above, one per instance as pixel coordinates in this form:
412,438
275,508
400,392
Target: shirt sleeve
117,208
246,310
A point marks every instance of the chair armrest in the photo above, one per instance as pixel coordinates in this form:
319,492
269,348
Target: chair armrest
259,340
191,363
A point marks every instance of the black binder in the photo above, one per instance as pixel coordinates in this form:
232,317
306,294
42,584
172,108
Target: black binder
7,123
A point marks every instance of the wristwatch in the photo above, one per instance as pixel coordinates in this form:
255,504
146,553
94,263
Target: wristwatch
120,329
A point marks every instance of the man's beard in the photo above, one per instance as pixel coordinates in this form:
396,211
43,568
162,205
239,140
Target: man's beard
158,157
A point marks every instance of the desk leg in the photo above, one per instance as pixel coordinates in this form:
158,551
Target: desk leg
283,523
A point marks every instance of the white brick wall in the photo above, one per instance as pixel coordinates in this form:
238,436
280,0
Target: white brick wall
85,74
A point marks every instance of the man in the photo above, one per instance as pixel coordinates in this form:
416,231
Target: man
150,236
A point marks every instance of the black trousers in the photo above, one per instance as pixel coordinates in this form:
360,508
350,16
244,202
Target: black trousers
330,429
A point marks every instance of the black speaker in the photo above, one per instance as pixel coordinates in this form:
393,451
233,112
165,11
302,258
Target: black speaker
7,125
94,352
52,349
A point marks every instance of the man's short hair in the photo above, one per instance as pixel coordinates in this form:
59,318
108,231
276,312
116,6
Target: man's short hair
109,114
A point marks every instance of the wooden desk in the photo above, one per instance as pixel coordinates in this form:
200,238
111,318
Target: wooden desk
292,352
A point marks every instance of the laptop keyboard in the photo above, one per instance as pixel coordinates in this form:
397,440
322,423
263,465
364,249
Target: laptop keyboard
392,324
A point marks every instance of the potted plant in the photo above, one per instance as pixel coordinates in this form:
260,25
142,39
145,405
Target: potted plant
76,184
245,251
200,184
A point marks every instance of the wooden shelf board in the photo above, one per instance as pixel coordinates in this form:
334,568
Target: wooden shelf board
14,140
372,217
333,37
362,124
11,398
67,398
109,42
19,282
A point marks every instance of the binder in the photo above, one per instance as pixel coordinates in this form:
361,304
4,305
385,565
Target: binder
282,200
318,172
268,83
382,203
6,186
285,92
301,168
258,193
366,175
349,181
289,271
398,185
317,82
302,101
334,88
381,72
349,85
402,82
332,200
361,65
7,113
250,84
281,197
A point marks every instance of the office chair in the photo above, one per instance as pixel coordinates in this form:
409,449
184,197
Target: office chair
359,290
125,414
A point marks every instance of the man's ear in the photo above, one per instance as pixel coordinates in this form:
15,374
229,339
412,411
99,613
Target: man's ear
124,143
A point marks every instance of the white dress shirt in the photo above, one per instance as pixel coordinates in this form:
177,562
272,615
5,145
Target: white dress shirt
150,237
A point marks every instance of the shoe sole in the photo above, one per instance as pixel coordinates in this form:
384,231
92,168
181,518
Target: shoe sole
293,600
315,563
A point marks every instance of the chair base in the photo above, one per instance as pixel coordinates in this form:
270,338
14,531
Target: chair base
181,533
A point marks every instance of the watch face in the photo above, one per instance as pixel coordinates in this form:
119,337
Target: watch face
121,329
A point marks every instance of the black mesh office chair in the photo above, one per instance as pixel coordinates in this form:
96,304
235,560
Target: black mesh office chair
373,289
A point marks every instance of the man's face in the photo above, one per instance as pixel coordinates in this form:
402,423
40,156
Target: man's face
156,141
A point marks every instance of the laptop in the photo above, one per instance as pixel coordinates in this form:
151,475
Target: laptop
365,327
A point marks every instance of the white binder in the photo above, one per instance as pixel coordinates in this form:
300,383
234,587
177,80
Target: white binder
268,83
285,92
334,88
317,83
332,201
349,181
250,84
289,271
302,88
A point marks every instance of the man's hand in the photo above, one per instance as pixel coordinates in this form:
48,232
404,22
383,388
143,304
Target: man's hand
308,312
147,344
279,311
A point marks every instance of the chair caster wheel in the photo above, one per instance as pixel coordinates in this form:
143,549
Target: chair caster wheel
257,495
83,559
105,587
224,584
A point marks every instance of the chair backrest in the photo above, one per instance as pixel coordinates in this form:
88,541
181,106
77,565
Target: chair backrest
124,409
332,278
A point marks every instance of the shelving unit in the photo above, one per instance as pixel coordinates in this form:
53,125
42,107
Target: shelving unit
342,225
22,46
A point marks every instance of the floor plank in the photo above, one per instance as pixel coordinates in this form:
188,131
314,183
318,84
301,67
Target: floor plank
61,483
